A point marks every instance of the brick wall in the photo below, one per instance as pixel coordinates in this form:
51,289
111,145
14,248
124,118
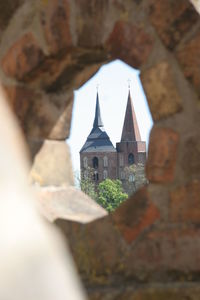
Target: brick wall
111,168
47,50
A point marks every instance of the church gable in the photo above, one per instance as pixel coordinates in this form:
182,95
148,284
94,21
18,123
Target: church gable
99,155
98,140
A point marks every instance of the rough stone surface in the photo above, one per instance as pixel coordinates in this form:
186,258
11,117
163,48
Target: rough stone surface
175,291
7,10
162,155
19,99
130,43
136,215
56,156
188,57
196,4
149,248
165,251
34,261
96,249
68,204
172,20
190,154
23,57
90,15
162,94
185,203
54,18
41,115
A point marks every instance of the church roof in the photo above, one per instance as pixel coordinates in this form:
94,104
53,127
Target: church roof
98,140
130,132
97,120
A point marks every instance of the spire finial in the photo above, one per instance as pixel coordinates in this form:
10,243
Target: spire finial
129,81
97,87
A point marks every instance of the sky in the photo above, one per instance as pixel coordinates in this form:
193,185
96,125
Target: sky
112,81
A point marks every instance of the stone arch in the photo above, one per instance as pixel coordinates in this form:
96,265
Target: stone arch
56,53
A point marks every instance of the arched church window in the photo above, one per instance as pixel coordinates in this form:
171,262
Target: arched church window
105,161
105,174
85,162
131,159
95,162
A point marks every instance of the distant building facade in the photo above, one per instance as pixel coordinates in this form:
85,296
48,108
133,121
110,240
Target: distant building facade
99,159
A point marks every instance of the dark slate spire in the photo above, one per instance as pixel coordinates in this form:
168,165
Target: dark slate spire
130,130
97,120
98,140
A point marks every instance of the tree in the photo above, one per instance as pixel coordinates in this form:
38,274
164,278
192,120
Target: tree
134,178
110,194
87,185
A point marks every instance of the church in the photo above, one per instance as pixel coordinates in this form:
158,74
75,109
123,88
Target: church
98,155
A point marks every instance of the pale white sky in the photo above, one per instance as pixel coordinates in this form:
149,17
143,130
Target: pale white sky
112,79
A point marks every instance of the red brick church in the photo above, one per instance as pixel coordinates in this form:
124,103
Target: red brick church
99,155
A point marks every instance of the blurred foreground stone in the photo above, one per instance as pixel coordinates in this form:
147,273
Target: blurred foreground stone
148,249
196,3
68,204
52,165
34,262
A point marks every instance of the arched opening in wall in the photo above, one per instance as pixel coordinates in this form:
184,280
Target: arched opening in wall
110,129
95,162
131,159
163,39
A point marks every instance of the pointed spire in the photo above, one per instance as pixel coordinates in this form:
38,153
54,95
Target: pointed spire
97,120
130,130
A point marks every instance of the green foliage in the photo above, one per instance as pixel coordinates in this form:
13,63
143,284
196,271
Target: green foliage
135,177
110,194
87,184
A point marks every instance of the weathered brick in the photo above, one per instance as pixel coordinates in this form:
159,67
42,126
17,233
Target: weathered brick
23,57
130,43
162,155
91,31
135,215
166,250
190,153
95,246
162,94
185,203
189,58
54,18
7,10
19,99
161,291
41,115
172,19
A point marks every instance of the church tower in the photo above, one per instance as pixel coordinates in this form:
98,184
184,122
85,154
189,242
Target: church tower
98,155
130,150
